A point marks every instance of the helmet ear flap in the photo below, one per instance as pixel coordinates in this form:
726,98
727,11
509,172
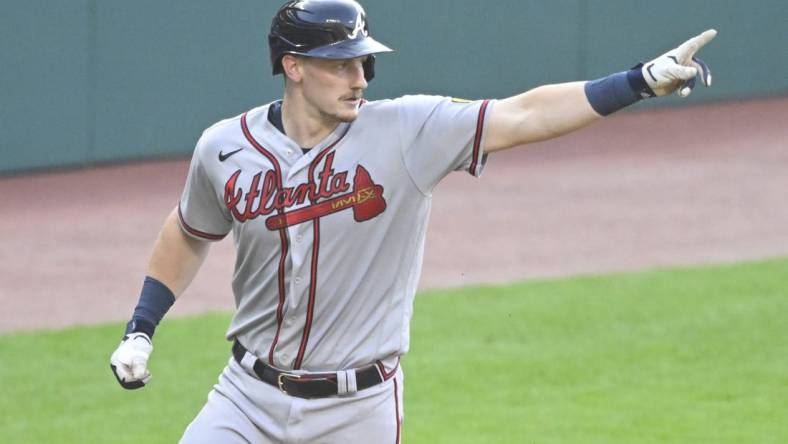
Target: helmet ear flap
278,68
277,50
369,67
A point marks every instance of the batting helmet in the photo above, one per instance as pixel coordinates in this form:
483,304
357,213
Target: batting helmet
327,29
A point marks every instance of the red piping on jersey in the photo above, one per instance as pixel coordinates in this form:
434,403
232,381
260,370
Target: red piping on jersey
310,308
396,410
477,141
282,236
196,232
382,369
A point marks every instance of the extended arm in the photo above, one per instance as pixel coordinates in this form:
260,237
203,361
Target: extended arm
175,261
539,114
554,110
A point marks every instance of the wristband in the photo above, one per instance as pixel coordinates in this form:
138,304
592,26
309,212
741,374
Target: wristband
155,300
638,83
614,92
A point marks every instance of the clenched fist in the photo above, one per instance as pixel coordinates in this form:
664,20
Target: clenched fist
129,362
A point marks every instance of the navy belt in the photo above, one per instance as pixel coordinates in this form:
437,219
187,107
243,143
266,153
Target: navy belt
312,385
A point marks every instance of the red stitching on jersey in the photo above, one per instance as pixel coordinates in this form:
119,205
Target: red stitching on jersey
282,236
477,141
310,307
396,410
196,232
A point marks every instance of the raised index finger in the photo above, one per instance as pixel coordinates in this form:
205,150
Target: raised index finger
691,46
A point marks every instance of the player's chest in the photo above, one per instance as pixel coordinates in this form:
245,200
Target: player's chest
273,192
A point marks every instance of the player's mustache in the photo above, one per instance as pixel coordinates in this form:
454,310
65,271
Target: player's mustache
353,96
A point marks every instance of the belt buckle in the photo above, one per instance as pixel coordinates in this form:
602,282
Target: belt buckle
281,383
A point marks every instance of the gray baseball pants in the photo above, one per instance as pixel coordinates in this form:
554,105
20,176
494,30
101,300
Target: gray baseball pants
243,409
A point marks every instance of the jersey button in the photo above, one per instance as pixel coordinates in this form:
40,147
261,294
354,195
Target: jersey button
297,280
299,238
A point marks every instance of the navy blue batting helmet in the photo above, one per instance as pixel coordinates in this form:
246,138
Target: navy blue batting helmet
327,29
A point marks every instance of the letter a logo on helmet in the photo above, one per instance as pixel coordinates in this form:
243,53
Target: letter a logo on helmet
326,29
361,24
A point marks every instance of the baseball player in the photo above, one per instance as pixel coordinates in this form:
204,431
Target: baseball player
327,197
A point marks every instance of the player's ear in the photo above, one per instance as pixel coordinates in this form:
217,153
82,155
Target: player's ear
292,67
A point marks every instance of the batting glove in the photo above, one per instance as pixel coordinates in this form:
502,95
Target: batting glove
677,69
129,363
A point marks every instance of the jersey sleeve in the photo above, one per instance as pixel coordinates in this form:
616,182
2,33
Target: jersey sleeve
201,211
441,135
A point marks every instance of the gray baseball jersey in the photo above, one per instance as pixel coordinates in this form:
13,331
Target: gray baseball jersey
329,243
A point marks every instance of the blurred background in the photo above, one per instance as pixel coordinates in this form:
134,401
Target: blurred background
88,81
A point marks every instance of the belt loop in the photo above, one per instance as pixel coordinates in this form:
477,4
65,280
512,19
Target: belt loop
346,382
247,362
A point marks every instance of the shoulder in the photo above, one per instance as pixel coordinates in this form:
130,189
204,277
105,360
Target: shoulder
228,131
421,106
377,106
395,108
420,99
414,100
233,124
407,100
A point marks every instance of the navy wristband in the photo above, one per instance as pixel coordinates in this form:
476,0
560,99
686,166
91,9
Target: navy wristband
155,300
614,92
638,83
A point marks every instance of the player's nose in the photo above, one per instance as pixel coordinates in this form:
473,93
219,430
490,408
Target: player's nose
359,81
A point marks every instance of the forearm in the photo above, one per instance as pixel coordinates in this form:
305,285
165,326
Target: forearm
176,257
174,263
539,114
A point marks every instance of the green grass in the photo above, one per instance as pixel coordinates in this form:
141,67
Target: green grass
678,356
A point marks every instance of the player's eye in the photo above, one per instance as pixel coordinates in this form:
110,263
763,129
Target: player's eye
338,66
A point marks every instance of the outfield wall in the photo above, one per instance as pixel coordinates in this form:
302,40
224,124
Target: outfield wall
90,81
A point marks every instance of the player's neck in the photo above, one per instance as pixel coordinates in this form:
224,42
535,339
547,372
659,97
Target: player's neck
306,126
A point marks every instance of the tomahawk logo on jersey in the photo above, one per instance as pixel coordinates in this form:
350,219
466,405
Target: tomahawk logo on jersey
260,199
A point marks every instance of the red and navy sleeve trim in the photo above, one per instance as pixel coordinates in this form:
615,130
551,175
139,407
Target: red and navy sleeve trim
477,153
197,233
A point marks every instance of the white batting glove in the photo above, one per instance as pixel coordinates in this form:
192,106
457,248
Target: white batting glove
129,362
676,69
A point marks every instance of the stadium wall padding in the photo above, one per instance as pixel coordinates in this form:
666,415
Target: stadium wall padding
89,81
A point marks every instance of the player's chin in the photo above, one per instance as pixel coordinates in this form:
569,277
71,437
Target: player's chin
348,110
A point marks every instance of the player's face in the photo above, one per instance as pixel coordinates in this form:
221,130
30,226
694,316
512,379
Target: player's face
334,87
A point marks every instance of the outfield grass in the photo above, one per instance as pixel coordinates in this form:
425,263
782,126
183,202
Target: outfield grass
678,356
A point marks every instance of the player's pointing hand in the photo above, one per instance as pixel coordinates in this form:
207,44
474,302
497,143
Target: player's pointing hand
677,69
687,50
